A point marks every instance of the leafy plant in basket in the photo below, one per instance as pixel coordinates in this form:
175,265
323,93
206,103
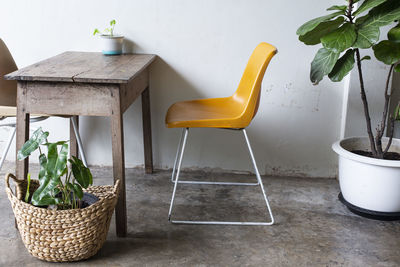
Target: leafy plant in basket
59,185
342,34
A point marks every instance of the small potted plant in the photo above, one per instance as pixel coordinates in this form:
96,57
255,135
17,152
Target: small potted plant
369,166
60,216
111,43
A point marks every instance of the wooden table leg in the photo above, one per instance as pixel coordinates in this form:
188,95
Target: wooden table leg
22,130
73,144
146,117
117,133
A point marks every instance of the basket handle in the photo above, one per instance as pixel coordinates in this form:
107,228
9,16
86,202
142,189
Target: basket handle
116,186
12,176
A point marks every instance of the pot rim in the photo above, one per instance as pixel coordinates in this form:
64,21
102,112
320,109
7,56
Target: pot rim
337,147
115,36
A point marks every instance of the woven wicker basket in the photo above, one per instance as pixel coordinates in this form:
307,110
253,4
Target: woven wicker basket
63,235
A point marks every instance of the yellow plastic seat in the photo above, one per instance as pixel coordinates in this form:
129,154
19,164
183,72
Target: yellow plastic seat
235,111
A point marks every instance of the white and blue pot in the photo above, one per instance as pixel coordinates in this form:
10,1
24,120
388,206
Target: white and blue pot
368,185
112,45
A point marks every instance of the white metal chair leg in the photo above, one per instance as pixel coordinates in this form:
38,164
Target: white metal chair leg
177,154
79,141
10,139
177,172
199,182
176,181
258,176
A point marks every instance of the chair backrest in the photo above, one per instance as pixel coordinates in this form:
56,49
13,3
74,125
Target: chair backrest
248,92
8,89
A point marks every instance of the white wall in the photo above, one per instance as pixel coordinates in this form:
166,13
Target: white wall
203,47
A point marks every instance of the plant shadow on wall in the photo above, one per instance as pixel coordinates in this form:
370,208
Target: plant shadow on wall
369,167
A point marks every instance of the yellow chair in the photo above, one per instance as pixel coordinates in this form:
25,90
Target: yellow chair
234,112
8,97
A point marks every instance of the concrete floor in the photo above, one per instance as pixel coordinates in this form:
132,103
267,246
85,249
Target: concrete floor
312,228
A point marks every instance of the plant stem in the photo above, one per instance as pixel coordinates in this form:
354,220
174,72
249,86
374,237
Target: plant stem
349,15
365,104
391,132
381,131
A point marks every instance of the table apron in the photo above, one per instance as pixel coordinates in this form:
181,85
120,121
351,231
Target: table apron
84,99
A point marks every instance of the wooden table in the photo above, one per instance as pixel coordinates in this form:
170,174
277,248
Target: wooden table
87,84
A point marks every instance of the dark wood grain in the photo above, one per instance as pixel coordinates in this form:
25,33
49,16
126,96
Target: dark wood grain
118,155
61,98
22,129
132,90
148,150
85,67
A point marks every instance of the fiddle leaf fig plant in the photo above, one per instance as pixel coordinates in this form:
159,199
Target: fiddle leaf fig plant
58,185
342,34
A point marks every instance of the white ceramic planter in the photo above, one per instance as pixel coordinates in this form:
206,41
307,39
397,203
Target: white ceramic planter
368,183
112,45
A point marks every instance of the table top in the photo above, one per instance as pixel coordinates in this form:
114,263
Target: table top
85,67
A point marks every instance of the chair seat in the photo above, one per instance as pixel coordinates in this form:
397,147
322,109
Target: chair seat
210,113
8,111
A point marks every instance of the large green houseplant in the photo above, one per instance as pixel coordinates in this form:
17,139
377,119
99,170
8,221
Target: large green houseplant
343,33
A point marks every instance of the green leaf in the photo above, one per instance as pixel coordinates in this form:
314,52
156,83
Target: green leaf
112,23
56,162
78,191
383,14
323,63
312,24
96,31
59,143
51,169
37,138
340,39
343,66
43,166
81,173
314,37
365,58
46,200
397,69
343,8
361,20
367,36
42,196
387,51
366,5
394,34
